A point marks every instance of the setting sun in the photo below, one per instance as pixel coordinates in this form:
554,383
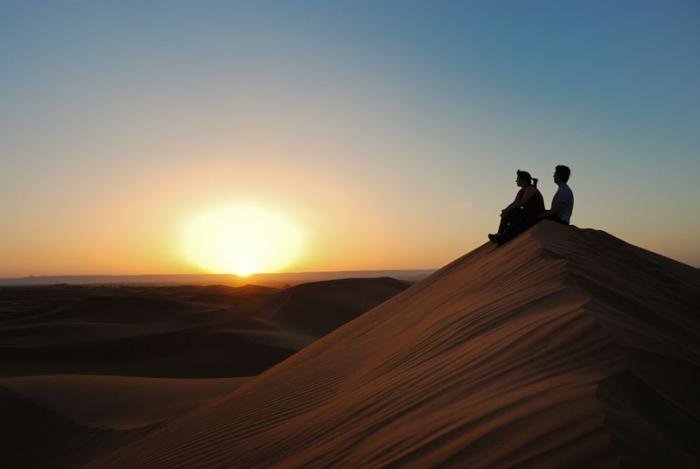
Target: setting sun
241,240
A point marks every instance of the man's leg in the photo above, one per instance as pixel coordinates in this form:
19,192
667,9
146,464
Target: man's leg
555,218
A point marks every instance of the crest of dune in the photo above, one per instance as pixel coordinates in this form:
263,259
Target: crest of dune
564,347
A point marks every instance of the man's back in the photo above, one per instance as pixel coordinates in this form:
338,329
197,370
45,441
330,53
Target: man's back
563,203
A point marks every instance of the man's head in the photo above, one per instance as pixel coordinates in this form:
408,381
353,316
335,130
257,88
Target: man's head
561,174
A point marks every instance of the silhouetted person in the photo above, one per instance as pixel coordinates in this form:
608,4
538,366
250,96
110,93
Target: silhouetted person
525,211
563,201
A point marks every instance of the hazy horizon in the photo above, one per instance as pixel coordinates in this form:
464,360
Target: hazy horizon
374,135
274,279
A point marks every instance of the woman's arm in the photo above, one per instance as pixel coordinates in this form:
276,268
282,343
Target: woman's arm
519,199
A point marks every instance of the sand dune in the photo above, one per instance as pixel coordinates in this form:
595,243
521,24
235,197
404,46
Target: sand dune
317,308
189,353
176,332
34,436
84,370
564,347
118,402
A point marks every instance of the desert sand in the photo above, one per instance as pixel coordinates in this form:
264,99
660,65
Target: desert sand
84,370
565,347
119,402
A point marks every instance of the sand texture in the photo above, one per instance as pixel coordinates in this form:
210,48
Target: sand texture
85,370
565,347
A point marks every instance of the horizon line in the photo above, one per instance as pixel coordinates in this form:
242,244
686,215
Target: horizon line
32,276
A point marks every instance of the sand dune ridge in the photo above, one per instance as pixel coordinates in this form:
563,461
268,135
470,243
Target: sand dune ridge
506,356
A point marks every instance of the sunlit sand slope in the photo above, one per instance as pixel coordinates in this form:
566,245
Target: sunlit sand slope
563,347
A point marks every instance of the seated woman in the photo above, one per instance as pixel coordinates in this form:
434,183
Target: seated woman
524,212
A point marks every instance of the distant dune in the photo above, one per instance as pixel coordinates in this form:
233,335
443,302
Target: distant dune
317,308
565,347
86,369
175,332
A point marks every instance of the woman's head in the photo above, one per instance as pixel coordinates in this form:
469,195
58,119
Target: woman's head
524,179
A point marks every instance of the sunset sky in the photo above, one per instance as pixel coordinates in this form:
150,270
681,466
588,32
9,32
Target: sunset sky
384,135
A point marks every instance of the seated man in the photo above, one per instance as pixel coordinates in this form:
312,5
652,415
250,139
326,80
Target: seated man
563,201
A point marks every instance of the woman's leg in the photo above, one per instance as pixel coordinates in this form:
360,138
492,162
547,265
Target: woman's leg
503,225
517,223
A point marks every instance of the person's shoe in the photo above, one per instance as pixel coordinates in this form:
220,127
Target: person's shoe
493,238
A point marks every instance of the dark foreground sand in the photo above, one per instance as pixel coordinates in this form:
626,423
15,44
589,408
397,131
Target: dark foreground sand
565,347
84,370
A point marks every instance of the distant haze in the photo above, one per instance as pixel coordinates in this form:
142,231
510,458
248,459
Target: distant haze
390,132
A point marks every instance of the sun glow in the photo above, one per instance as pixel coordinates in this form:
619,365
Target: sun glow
241,240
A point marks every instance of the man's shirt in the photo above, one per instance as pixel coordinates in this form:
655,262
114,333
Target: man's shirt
563,203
